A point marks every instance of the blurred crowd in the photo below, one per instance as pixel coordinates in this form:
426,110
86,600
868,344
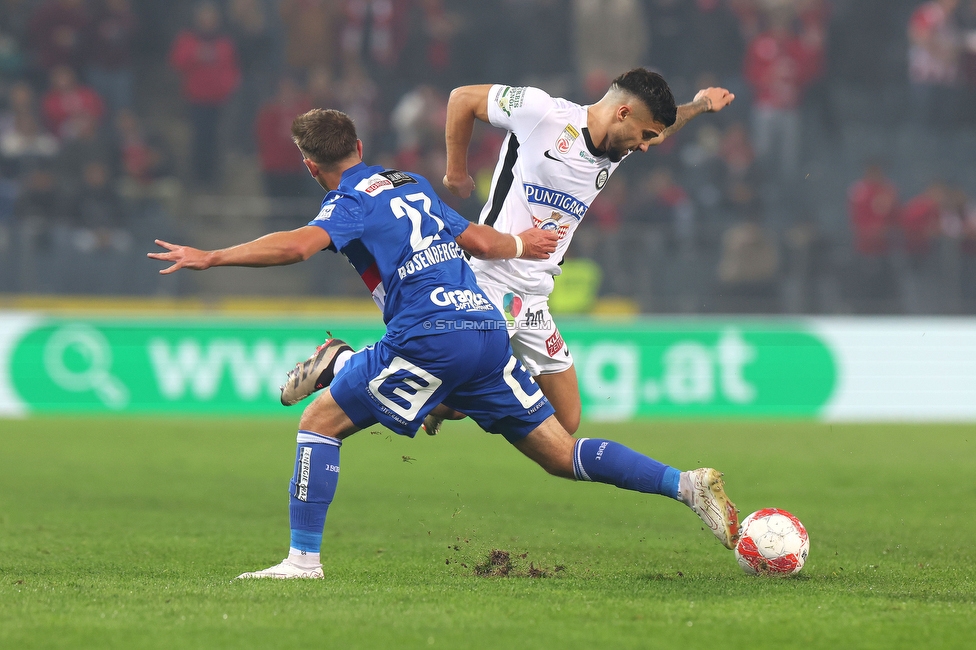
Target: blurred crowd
840,180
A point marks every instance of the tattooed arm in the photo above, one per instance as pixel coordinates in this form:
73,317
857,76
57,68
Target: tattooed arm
709,100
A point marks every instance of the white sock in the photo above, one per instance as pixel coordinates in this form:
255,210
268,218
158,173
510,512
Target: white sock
341,360
685,488
304,559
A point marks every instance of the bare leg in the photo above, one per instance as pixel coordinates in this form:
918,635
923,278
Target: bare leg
562,389
551,447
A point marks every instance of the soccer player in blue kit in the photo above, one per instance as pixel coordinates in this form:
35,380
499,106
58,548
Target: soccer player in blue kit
445,341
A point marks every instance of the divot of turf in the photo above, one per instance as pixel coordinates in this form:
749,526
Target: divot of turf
499,563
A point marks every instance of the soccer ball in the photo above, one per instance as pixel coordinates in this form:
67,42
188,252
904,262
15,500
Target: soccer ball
772,542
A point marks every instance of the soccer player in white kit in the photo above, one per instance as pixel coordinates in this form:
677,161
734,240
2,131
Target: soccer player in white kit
555,160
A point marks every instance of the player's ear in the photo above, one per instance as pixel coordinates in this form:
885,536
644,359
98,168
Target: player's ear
622,112
359,148
312,168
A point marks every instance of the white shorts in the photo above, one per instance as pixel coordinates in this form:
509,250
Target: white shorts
535,339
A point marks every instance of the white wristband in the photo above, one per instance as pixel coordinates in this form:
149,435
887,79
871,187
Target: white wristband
519,246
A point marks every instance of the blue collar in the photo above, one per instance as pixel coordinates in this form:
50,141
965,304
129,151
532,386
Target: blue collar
352,171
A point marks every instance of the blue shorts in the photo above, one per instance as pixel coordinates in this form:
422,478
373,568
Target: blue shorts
472,371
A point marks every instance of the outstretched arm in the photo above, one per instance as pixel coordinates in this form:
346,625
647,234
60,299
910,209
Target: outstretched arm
709,100
466,104
486,243
275,249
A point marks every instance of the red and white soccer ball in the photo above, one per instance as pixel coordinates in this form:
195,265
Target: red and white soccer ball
772,542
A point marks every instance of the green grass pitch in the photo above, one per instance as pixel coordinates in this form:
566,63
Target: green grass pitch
126,533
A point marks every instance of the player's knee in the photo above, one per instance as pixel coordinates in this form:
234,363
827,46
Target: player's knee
311,417
324,417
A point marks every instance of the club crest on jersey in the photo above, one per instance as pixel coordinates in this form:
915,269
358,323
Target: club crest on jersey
566,139
509,98
601,179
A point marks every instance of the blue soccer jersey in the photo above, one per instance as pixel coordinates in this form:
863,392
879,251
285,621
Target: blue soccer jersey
399,236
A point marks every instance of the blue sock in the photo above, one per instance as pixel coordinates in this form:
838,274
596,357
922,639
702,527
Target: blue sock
312,489
605,461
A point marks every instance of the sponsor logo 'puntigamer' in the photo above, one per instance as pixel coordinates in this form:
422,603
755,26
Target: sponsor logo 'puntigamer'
561,201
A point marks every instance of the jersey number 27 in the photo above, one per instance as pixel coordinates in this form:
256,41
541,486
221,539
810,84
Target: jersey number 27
402,209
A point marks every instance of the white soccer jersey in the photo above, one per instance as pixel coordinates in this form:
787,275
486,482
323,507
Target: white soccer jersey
547,176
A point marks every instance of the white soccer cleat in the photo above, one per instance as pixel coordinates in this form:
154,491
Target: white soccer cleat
315,373
432,425
285,571
703,490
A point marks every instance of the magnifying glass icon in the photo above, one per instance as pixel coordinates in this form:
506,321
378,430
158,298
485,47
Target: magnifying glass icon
91,346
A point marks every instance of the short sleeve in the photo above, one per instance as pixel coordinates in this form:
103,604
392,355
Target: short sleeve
517,109
342,220
454,223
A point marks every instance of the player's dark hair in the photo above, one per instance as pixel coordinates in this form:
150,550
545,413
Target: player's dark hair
652,90
324,136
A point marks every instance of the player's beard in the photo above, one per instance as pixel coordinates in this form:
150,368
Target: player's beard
615,155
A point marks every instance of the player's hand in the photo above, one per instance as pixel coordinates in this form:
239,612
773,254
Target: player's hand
461,186
715,99
538,243
182,257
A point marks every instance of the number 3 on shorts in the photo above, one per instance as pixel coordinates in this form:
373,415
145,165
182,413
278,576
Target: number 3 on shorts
404,388
521,383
